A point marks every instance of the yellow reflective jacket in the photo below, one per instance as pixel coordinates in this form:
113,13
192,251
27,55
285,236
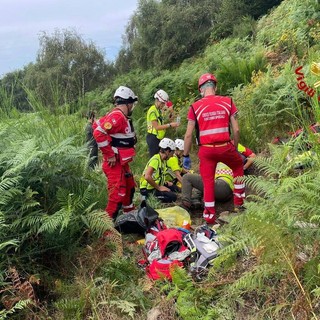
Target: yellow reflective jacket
154,114
158,174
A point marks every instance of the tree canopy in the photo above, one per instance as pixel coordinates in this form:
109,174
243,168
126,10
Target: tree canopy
66,63
161,34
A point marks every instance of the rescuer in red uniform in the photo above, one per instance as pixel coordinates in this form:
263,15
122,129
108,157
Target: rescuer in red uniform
116,138
211,116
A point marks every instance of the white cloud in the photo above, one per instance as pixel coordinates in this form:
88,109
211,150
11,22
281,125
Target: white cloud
21,22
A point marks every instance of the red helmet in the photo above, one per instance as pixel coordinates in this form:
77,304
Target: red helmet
206,77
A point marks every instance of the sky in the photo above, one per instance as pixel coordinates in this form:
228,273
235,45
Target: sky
22,21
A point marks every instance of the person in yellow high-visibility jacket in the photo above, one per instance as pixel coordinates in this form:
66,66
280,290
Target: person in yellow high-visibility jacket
156,128
175,169
153,181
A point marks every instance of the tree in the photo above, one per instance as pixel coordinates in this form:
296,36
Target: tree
66,68
233,13
12,93
163,34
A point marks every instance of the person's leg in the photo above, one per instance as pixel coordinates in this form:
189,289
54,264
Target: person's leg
153,144
173,188
190,181
222,190
144,194
166,196
130,189
116,188
233,159
239,185
207,168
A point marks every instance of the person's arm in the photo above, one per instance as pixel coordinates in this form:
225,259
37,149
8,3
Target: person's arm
188,137
148,177
235,130
158,126
249,162
178,176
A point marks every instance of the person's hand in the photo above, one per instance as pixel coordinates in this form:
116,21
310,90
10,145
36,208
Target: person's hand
112,161
186,162
175,124
163,188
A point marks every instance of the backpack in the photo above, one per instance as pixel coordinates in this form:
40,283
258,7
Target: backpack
162,268
163,251
204,247
137,221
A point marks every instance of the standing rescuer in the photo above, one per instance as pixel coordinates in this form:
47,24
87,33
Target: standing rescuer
211,117
155,122
116,138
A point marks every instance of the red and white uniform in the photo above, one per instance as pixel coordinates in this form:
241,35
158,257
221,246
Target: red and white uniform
212,116
115,136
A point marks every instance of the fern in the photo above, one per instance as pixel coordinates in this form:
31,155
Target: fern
125,307
256,278
20,305
52,223
4,232
97,221
71,308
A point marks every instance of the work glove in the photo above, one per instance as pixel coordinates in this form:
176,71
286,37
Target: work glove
186,162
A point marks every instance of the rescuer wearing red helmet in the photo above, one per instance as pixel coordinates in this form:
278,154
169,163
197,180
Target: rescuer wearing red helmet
211,116
116,138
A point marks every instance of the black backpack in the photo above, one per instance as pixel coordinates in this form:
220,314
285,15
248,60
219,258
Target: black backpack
137,221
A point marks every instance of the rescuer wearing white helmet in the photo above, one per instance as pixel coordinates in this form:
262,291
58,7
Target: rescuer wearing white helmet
115,136
156,128
175,169
153,177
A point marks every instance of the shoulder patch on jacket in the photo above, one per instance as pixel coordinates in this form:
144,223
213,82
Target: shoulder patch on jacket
107,125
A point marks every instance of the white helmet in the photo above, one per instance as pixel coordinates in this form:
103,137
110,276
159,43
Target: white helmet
161,95
125,93
167,143
179,144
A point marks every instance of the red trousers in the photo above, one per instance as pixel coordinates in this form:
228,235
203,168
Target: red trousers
121,187
209,157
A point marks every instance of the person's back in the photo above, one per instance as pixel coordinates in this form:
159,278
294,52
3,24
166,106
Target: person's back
212,113
212,116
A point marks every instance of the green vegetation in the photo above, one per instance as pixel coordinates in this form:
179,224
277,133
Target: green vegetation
53,263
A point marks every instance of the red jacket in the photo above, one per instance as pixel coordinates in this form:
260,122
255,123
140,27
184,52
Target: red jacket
114,132
212,116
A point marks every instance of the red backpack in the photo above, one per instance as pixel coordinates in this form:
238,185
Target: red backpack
158,250
162,268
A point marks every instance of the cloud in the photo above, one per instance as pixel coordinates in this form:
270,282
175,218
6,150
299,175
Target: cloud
21,22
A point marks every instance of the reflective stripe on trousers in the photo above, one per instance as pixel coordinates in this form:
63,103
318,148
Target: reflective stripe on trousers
209,157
